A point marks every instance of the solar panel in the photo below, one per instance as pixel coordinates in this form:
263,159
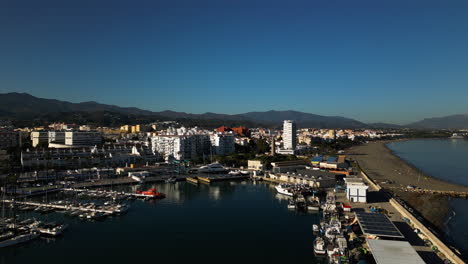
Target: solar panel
377,224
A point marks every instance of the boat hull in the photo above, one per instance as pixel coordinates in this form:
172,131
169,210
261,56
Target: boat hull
18,240
280,190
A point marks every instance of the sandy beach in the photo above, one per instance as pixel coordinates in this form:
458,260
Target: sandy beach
395,174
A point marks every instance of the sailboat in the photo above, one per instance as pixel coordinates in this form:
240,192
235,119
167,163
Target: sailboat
10,238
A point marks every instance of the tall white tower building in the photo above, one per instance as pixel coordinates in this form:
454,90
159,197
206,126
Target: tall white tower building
289,135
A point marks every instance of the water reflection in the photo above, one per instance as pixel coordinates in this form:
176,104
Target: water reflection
214,192
282,197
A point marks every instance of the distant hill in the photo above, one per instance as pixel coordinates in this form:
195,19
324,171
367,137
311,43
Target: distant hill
24,107
446,122
303,119
23,103
385,126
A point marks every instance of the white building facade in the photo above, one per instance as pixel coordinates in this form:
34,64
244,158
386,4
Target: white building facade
356,190
181,147
191,145
82,138
222,143
66,138
289,137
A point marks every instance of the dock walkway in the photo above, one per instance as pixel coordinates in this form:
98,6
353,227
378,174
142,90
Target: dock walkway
67,207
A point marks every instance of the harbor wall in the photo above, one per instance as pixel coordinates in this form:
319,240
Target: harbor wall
444,249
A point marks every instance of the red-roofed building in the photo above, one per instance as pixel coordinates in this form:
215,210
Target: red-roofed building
239,131
223,129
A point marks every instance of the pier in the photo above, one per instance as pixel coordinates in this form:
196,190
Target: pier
109,210
192,180
136,195
210,179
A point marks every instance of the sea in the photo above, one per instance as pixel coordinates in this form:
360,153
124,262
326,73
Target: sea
225,222
445,159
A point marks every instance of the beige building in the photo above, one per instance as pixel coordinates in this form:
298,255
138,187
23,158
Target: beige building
255,165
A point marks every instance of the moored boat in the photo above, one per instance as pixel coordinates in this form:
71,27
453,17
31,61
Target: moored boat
319,246
291,204
151,193
212,168
17,239
280,188
171,180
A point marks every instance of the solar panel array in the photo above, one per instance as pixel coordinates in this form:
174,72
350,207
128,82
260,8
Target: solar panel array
377,224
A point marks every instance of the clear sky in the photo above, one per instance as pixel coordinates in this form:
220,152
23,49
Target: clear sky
387,60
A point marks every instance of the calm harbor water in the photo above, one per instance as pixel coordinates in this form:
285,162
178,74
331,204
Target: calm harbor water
229,222
445,159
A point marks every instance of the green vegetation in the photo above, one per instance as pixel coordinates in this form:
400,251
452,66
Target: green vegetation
326,147
428,133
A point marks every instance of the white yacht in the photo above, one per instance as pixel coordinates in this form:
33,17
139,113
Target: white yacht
52,229
280,188
213,167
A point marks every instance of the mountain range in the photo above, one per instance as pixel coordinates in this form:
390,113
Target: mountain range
23,106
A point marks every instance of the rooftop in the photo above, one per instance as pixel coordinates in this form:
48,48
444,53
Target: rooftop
392,251
375,224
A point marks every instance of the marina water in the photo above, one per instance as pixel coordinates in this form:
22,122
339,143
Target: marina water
226,222
444,159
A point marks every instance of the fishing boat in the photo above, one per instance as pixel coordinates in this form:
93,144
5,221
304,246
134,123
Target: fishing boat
313,204
291,204
171,180
315,228
283,189
319,246
151,193
301,202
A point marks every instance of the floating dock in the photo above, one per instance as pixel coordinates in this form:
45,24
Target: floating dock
71,207
192,180
210,179
137,195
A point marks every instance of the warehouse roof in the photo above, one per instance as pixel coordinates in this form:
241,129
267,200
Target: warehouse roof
376,224
317,159
392,251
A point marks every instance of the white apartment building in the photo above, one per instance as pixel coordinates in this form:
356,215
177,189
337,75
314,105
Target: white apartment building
181,147
38,137
66,138
191,145
222,143
82,138
289,135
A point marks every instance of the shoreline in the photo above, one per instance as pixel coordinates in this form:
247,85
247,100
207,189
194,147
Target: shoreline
414,167
394,173
367,153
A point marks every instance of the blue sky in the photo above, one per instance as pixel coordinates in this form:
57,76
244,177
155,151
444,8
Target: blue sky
390,61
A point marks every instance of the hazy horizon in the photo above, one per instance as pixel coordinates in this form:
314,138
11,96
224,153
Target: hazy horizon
393,62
